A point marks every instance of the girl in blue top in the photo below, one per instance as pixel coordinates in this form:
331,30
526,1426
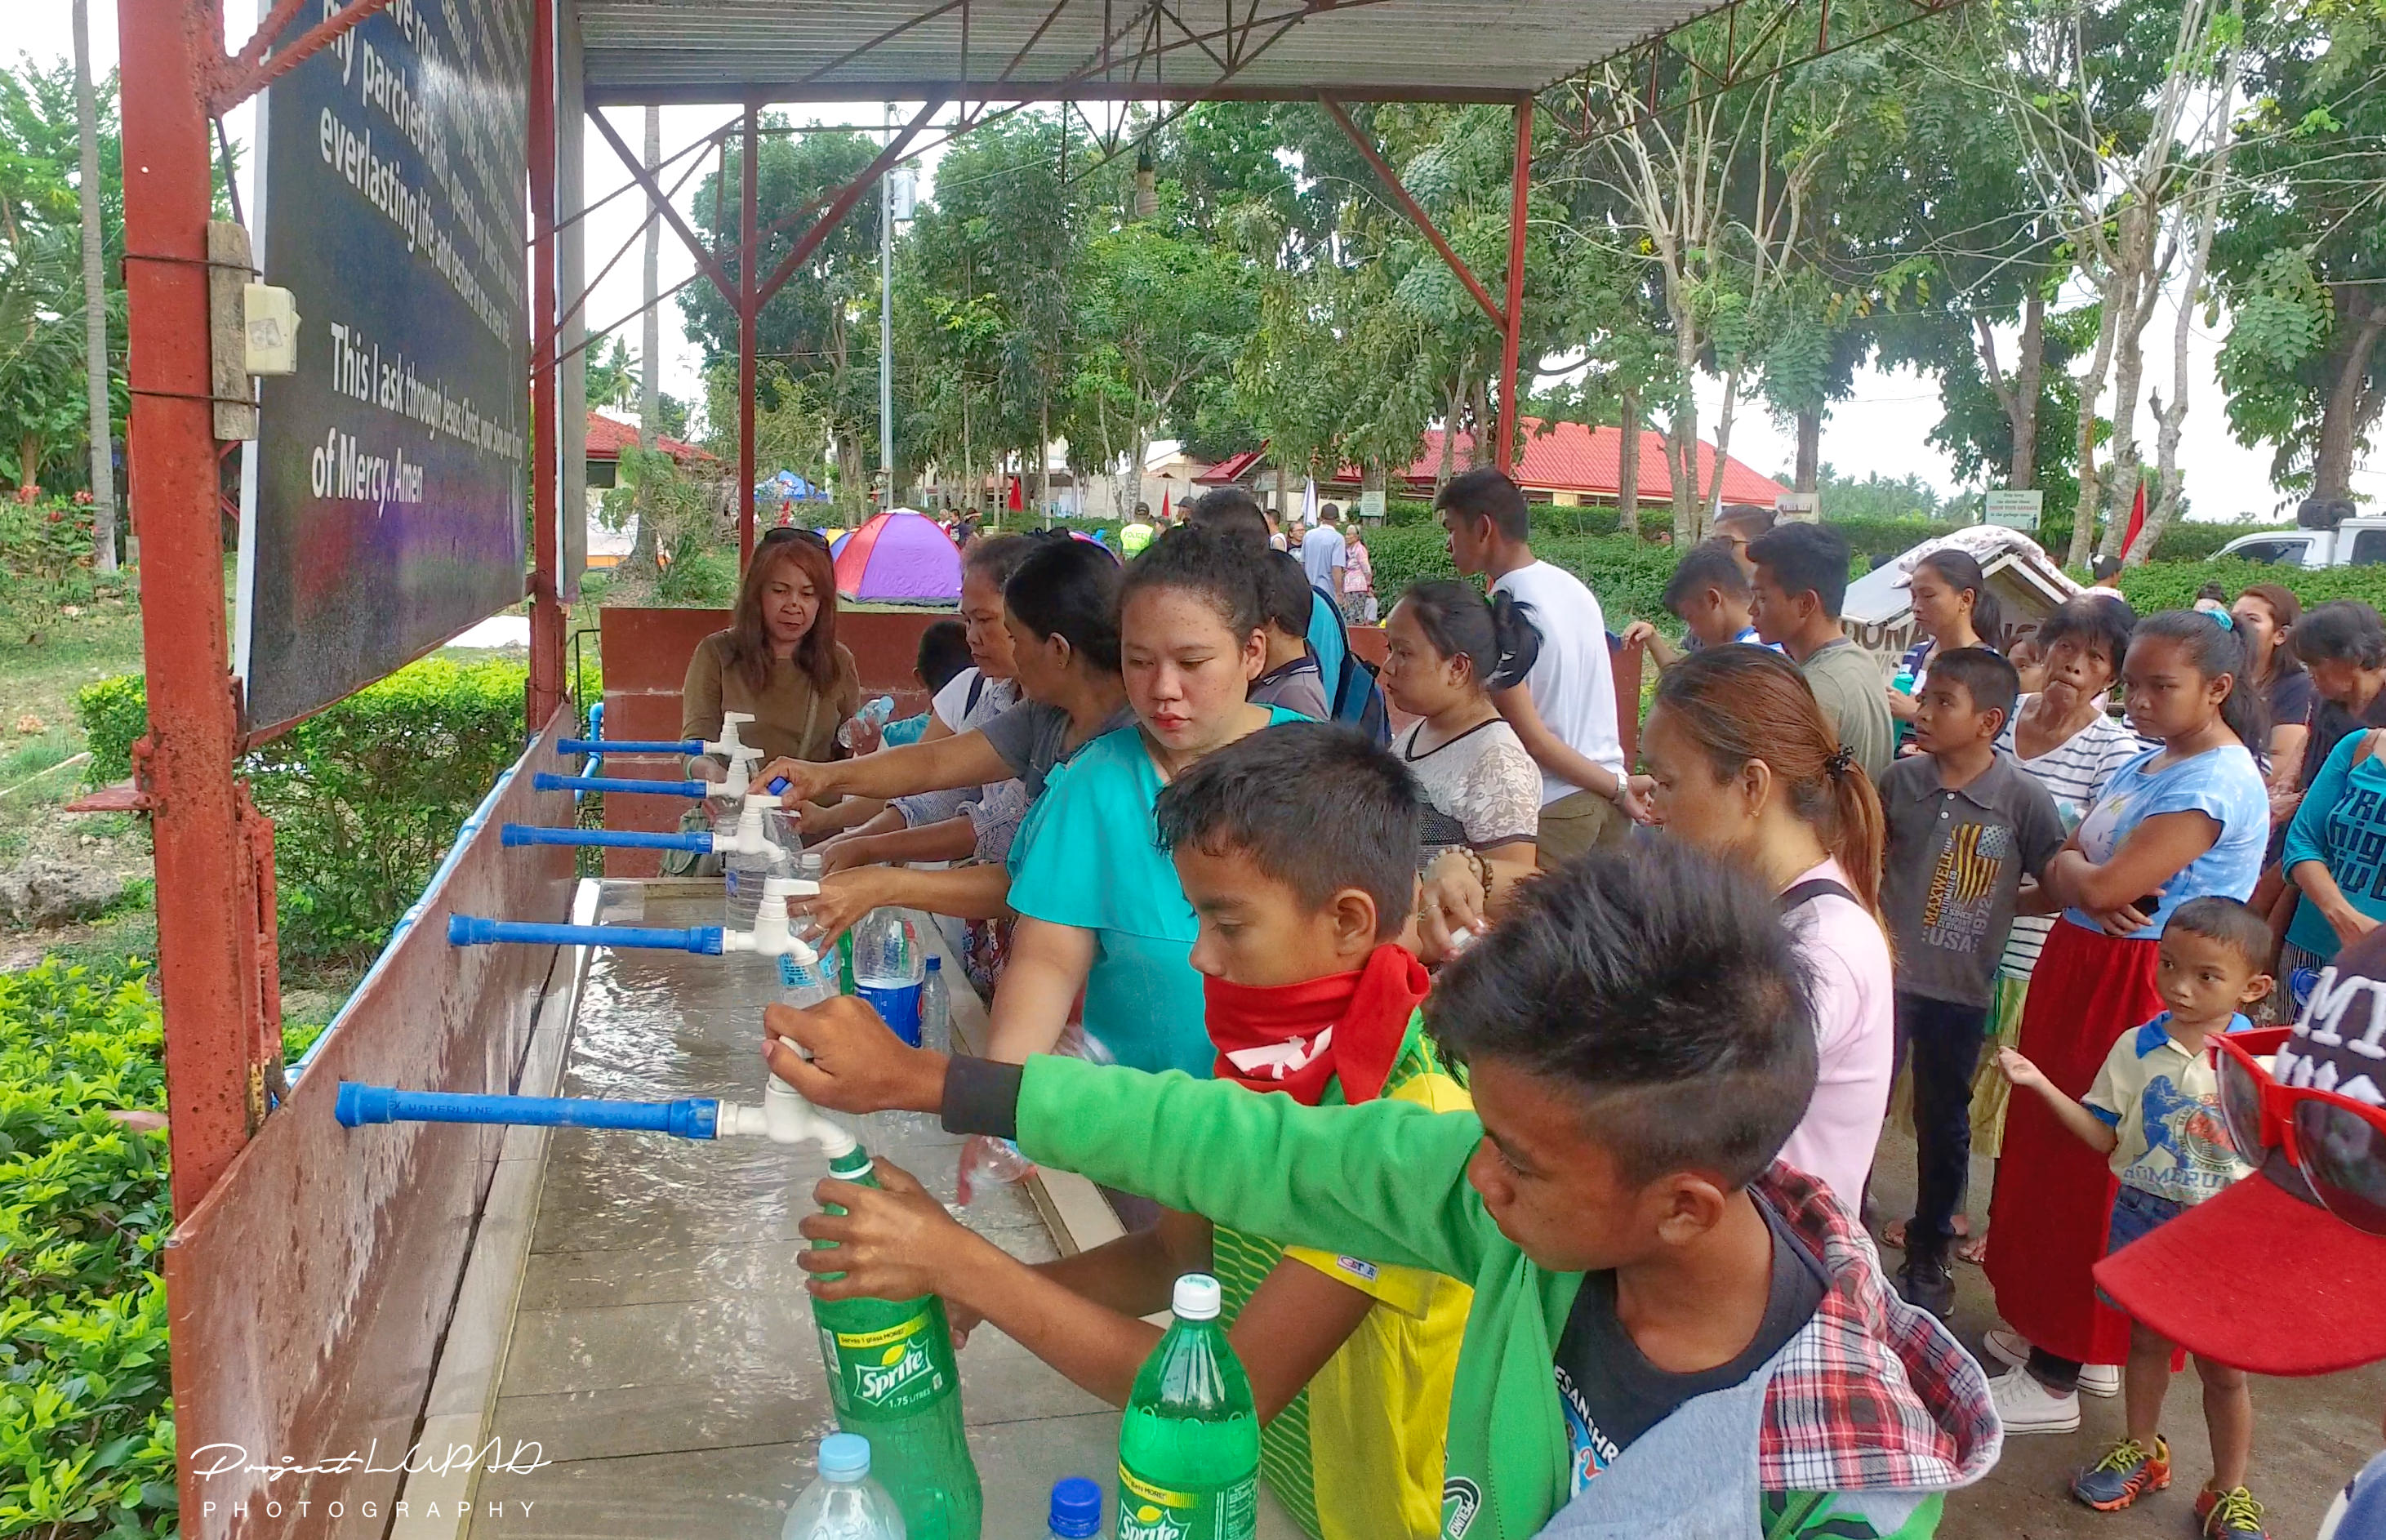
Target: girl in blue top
1099,903
2335,852
2188,818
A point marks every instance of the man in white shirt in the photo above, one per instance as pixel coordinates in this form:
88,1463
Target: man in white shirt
1322,555
1555,684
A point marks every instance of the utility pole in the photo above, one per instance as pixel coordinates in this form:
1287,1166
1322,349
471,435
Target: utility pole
886,321
94,307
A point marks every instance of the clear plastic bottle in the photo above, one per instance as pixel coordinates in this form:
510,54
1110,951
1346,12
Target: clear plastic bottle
1189,1440
844,1504
1077,1509
935,1007
987,1163
875,714
891,1376
887,971
743,872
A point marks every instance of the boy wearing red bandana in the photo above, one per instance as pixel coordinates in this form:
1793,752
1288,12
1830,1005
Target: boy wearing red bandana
1297,846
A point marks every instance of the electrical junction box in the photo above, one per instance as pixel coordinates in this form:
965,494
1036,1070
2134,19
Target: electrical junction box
270,318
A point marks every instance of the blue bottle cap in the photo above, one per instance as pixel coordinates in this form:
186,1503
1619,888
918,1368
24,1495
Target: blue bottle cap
845,1457
936,965
1076,1508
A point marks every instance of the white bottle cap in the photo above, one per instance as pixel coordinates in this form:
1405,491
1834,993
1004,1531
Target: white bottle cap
1196,1298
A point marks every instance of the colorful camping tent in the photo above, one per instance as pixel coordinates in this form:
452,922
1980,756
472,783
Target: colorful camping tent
899,557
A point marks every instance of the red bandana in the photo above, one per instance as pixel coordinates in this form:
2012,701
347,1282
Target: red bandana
1298,1037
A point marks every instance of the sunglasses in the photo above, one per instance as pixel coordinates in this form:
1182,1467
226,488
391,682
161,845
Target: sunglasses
779,532
2337,1145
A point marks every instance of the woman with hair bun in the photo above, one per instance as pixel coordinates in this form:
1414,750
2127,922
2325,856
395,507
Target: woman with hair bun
1482,790
1744,765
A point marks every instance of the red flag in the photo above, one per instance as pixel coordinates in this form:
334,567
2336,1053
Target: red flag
1163,505
1013,502
2137,516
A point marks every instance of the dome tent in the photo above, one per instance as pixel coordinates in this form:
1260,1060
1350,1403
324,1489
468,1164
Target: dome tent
899,557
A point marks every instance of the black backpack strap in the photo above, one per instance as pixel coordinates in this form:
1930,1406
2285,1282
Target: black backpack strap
978,688
1803,894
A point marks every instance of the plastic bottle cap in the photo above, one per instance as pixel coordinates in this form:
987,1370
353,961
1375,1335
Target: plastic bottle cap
1077,1508
845,1457
936,965
1196,1298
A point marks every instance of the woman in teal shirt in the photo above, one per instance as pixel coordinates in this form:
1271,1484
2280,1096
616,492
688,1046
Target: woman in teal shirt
2335,852
1099,904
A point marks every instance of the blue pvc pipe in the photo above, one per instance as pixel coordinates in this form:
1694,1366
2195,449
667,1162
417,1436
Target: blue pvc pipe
696,1118
626,745
547,781
468,930
633,839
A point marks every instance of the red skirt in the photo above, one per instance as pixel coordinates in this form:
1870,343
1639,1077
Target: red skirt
2054,1195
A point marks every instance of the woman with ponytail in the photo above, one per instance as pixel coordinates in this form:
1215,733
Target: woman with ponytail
1953,606
2187,820
1744,765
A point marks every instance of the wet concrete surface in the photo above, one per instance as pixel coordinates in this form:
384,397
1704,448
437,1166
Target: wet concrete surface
663,1357
2309,1435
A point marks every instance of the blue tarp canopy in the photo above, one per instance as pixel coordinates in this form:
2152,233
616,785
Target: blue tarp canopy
789,487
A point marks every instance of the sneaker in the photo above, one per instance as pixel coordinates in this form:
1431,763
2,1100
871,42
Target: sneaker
2128,1472
2009,1347
2231,1515
1926,1282
2026,1407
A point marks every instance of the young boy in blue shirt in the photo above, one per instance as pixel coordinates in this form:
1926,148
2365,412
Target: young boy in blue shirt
2155,1112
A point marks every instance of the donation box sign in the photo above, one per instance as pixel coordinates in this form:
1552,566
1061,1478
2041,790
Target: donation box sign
386,488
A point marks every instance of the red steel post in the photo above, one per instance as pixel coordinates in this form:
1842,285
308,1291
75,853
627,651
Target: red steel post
205,918
1503,450
549,434
749,300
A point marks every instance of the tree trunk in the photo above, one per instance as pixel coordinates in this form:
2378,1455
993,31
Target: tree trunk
1810,449
1043,456
1486,427
2029,375
2092,388
2142,273
2340,423
650,367
1712,504
94,304
1627,460
1682,445
2170,421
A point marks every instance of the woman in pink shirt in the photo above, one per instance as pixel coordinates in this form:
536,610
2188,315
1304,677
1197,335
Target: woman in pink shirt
1743,763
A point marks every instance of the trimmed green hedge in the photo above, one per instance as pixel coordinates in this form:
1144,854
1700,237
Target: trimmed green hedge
87,1420
366,797
2172,585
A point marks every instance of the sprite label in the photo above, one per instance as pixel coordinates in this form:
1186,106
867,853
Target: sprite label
892,1372
1151,1512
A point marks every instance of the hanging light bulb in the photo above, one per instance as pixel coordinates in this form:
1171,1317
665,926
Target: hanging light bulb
1147,184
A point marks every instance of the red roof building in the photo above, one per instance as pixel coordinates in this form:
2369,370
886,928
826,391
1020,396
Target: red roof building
608,436
1568,462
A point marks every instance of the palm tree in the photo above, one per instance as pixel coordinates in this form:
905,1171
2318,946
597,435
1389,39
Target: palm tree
95,332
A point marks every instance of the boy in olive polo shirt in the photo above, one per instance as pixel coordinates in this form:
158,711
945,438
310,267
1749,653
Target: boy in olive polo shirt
1966,825
1800,581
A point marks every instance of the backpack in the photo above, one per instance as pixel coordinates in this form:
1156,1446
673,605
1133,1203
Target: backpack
1352,695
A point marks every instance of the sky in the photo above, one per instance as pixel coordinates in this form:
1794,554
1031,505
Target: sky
1882,429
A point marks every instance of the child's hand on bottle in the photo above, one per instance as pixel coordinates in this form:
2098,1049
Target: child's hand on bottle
840,1055
2019,1070
892,1242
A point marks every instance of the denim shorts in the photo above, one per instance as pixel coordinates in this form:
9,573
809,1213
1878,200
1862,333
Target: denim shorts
2135,1212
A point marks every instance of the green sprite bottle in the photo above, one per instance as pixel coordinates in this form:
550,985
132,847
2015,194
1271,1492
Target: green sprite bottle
1189,1443
892,1379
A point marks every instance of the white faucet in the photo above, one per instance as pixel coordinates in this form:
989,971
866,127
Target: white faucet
742,757
773,934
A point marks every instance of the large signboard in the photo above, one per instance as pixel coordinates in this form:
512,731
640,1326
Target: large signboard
384,493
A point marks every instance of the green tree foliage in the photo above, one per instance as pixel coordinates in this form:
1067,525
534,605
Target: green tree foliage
45,422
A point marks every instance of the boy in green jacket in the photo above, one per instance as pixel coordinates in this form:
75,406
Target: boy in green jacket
1672,1334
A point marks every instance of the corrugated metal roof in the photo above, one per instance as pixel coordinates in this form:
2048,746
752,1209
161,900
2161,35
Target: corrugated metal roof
1572,458
909,50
